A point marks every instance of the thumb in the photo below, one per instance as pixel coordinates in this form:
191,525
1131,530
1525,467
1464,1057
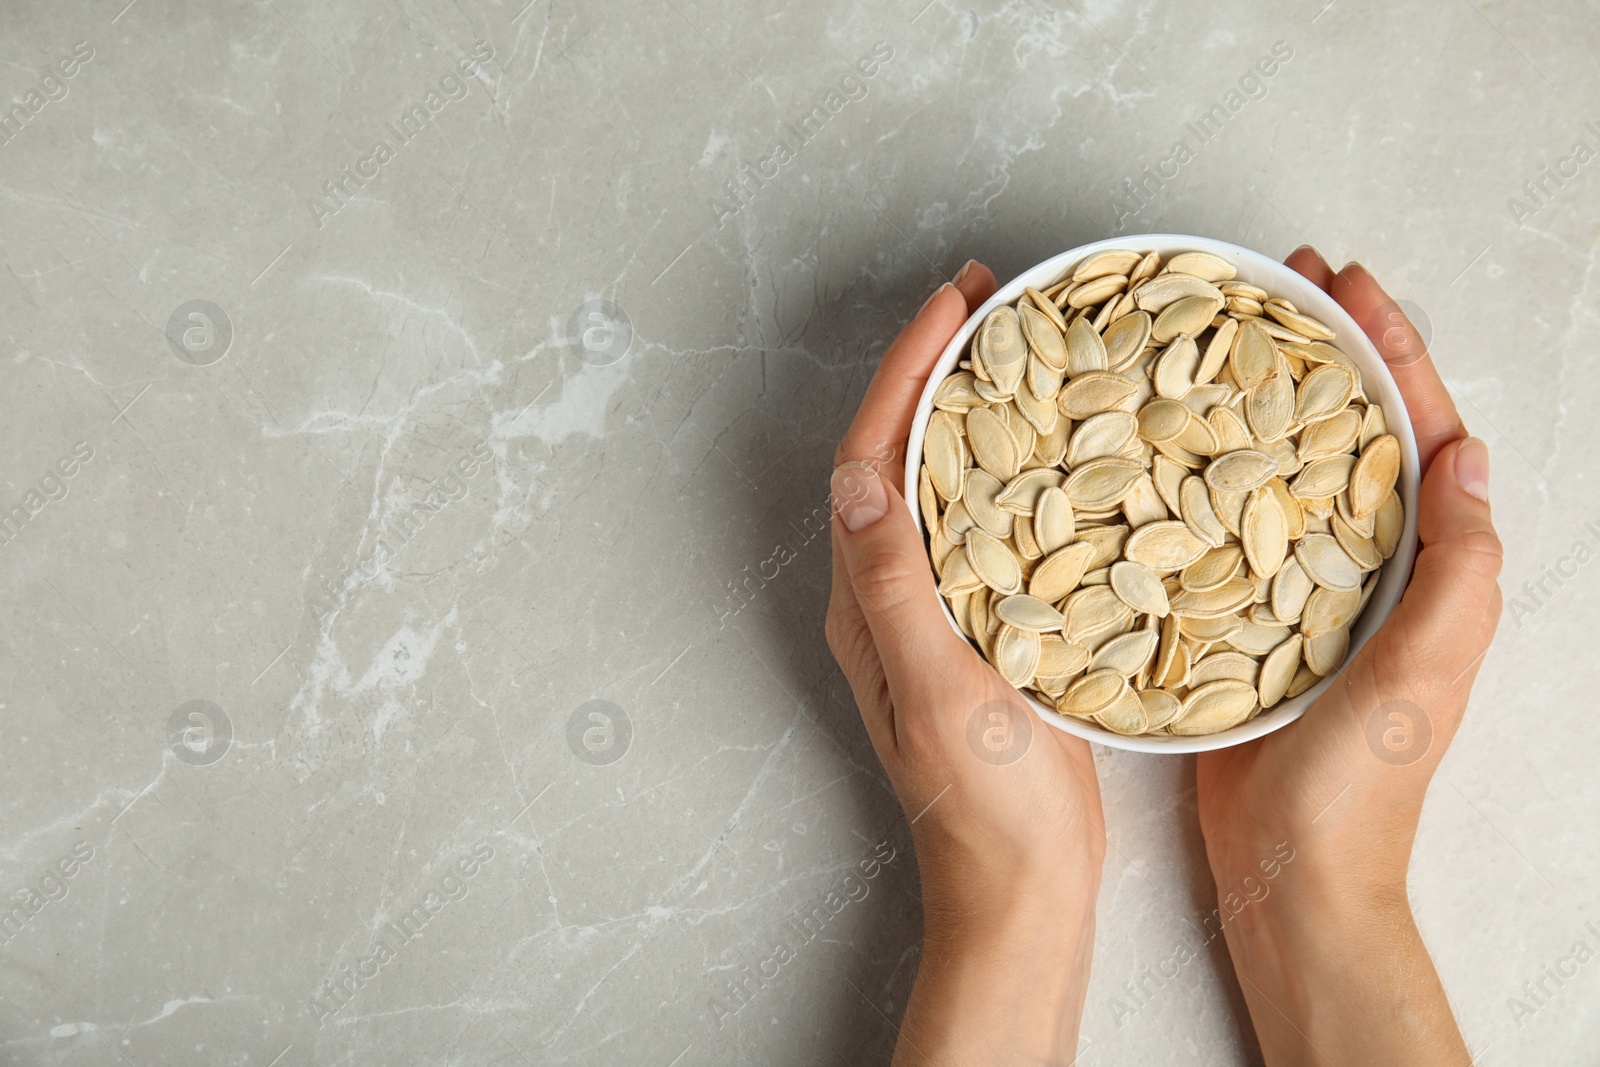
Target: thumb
1450,609
888,570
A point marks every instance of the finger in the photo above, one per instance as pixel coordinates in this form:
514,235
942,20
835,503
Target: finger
850,641
1444,622
879,431
1308,262
1433,412
976,283
888,571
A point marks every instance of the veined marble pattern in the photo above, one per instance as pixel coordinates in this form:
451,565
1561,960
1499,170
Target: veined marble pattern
443,396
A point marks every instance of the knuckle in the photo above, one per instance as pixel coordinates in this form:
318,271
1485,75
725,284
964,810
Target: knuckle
850,644
887,577
1481,552
835,630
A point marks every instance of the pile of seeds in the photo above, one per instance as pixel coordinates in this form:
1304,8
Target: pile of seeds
1157,497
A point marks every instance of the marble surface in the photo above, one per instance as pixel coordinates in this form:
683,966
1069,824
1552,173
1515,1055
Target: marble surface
398,459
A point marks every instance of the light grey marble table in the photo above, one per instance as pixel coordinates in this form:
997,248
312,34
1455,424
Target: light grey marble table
399,378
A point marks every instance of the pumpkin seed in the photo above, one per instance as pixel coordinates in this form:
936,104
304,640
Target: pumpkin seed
981,504
1329,609
1084,349
1051,446
1101,483
1175,368
1326,563
1160,708
1220,665
1325,652
1100,436
1163,420
1164,546
1269,407
1258,638
1212,570
1253,357
1101,264
995,565
1264,532
1166,289
1016,655
1095,392
1125,339
1278,670
1186,316
1290,590
1108,541
994,447
1059,573
1005,351
1043,336
1127,654
1125,714
959,577
1094,291
1053,520
927,498
1202,265
1323,393
1060,658
1095,612
1046,305
956,393
1238,472
1139,588
1304,325
1021,494
1036,400
1093,692
1388,524
1332,436
1142,504
1373,425
1168,476
1374,475
1028,613
1226,599
1214,707
1231,433
1323,477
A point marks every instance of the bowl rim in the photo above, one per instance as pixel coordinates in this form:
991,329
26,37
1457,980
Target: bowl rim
1349,337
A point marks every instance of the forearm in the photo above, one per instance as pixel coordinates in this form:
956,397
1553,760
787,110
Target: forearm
1002,985
1337,976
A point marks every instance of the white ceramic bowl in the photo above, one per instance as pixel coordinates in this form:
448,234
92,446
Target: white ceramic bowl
1278,280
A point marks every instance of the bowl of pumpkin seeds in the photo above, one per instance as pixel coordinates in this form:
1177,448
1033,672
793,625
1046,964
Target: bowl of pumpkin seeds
1168,489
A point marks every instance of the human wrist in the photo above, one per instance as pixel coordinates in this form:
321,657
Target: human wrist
1324,950
1352,873
972,907
1021,956
1309,912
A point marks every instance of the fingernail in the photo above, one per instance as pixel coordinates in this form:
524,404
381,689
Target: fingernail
1472,468
858,496
961,275
1303,248
932,298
